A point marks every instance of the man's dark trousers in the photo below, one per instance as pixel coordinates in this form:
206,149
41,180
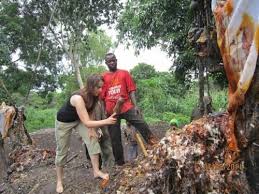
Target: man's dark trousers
115,132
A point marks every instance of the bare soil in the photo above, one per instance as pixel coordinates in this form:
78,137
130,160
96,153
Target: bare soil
40,177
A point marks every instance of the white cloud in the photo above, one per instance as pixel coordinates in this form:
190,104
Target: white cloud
127,59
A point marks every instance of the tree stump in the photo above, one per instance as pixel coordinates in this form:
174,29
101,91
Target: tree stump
18,133
12,131
247,131
3,161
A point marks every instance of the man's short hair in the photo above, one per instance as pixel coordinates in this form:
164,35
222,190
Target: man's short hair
110,54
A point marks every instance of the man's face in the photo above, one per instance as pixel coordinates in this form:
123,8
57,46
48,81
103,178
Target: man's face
111,62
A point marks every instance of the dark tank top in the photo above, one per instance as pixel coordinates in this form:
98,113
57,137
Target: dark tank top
67,113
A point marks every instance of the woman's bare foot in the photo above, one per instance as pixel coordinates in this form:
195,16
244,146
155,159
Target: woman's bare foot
101,175
59,188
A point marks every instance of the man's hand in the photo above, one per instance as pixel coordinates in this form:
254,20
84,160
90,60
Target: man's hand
118,106
92,133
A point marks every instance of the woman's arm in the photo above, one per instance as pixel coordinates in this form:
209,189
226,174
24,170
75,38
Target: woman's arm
78,102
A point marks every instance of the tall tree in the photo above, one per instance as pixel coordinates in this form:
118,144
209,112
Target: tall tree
74,21
152,22
184,29
30,31
21,34
92,53
143,71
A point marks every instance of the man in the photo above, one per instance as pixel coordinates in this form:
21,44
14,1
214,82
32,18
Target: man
119,86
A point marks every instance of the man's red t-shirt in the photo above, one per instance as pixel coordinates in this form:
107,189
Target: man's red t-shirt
117,84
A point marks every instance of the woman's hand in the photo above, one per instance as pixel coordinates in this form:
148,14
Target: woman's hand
111,120
92,133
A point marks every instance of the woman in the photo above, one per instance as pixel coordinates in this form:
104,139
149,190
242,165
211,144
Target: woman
76,114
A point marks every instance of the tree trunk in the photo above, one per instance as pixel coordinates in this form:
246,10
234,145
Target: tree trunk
199,110
76,65
201,85
3,160
77,73
18,134
247,131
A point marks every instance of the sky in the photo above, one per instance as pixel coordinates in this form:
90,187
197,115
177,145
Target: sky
127,59
126,56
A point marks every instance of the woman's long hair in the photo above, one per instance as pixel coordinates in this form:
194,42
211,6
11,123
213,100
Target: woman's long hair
88,91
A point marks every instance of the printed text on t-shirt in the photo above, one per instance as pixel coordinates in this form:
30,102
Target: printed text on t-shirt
114,90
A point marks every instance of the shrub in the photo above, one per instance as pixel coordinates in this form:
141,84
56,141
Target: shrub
39,118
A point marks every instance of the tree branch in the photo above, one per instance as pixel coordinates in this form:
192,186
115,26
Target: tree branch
16,60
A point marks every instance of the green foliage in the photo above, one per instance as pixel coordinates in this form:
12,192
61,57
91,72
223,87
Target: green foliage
92,51
59,99
164,23
182,119
73,33
151,22
152,119
21,35
68,82
143,71
219,99
84,14
220,79
159,97
86,71
184,64
39,118
167,24
38,101
25,32
163,98
155,93
149,93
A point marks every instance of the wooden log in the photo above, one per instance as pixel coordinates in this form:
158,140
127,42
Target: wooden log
141,144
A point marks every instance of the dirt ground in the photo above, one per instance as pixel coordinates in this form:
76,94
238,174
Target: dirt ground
41,178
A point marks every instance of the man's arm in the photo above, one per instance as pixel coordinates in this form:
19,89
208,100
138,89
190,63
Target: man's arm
131,88
133,97
133,100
